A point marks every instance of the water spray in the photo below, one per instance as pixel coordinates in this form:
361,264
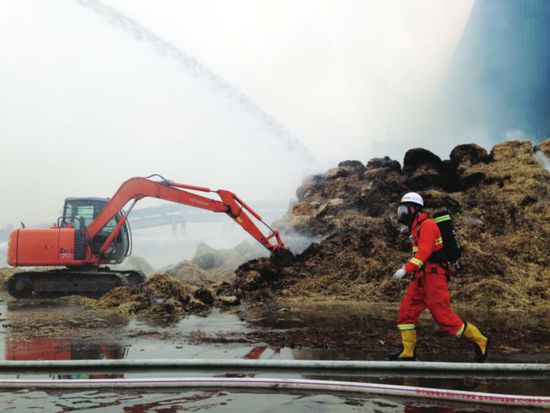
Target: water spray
198,69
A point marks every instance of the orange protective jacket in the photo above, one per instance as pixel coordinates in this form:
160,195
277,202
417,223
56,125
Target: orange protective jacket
426,239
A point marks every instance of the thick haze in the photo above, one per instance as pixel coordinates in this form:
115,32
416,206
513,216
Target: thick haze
283,88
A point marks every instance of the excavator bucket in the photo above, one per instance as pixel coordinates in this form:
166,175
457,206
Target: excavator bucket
282,257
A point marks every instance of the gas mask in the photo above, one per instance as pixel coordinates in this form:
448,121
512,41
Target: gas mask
406,214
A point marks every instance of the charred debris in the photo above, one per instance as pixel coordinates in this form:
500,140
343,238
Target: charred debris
500,202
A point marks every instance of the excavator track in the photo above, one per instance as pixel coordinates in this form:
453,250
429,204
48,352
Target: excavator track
56,283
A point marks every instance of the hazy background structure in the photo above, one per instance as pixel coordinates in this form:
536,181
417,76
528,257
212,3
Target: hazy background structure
499,80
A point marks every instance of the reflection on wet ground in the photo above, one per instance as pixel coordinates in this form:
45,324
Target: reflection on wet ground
217,335
172,401
47,348
227,401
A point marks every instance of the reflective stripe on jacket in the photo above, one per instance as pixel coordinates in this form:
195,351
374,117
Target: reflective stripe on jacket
426,240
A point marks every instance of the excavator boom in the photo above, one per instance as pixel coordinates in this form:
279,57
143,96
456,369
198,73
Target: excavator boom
229,203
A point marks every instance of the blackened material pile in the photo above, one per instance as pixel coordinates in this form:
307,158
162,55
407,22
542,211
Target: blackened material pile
163,298
190,287
500,202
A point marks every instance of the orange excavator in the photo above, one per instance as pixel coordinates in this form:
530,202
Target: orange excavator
94,232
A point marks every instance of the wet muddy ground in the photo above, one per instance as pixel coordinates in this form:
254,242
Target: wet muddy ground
370,329
329,330
226,401
59,329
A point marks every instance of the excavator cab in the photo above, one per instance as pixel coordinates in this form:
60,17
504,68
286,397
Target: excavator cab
80,212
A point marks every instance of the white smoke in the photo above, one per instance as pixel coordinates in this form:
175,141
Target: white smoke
542,158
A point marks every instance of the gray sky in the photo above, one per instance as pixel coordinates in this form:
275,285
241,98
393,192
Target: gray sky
85,105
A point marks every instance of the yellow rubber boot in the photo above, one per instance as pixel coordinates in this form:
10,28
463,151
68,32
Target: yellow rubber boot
408,349
479,341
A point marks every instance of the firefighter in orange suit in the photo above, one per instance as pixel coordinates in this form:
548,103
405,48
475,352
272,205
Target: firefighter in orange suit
428,288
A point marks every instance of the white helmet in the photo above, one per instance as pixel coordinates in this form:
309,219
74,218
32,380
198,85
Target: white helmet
410,205
412,197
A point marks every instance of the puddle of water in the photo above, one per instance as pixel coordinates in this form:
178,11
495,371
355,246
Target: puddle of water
185,340
228,401
214,323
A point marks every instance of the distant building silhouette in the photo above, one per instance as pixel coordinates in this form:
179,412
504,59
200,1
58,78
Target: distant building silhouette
499,78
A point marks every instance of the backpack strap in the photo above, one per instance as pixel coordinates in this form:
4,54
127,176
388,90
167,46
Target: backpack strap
437,257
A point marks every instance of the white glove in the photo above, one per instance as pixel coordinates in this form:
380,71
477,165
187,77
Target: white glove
400,273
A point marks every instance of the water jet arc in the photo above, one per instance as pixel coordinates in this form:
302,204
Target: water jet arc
196,68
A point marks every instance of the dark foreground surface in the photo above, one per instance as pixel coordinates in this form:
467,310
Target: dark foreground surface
59,330
226,401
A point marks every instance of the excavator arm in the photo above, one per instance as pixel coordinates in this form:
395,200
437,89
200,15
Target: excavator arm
83,249
138,188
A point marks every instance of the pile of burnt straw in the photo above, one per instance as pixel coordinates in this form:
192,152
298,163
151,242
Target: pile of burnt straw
165,298
500,202
191,286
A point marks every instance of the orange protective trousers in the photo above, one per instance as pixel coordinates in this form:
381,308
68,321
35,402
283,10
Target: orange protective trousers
429,289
